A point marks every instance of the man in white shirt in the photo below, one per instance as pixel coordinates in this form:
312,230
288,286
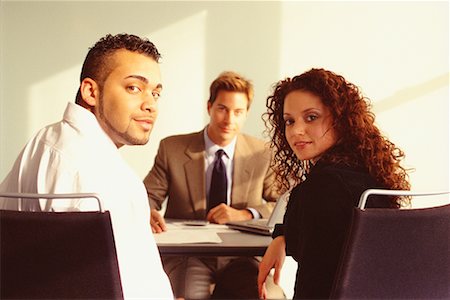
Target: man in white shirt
116,105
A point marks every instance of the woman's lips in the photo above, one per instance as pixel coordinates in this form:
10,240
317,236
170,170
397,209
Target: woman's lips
301,144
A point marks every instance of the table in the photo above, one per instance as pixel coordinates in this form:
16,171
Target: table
234,243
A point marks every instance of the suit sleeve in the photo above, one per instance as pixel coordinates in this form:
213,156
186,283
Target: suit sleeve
157,182
269,193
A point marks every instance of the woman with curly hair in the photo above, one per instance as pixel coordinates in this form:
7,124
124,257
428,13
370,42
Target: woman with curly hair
329,150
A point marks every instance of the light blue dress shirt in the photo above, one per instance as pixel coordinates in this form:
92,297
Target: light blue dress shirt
210,154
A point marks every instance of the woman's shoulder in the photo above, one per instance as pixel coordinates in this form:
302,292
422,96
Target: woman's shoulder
334,181
340,172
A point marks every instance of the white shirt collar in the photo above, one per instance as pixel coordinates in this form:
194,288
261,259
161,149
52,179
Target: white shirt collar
85,121
211,148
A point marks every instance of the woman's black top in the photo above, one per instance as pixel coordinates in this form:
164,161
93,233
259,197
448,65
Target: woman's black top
316,221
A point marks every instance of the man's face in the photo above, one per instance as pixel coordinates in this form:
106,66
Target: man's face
127,106
227,116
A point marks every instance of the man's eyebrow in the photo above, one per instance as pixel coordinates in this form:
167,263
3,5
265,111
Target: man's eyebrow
138,77
144,80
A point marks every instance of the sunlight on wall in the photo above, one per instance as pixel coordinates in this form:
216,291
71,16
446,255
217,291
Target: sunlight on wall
385,49
420,127
400,61
48,98
397,52
181,68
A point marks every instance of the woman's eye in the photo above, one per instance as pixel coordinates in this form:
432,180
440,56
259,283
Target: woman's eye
311,118
288,122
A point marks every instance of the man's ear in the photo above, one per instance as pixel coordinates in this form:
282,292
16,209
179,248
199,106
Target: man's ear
90,91
208,107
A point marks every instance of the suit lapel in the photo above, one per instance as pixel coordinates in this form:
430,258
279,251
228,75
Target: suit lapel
195,174
241,171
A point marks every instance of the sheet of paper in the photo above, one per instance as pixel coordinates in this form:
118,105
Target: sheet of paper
177,233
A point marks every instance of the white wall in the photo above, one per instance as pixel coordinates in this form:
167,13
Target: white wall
43,45
397,52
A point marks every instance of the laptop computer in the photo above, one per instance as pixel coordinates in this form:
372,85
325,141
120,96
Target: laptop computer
263,226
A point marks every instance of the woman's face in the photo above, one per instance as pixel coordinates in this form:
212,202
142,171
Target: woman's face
309,125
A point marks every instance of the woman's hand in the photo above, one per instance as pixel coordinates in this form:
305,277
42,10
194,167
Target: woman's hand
273,259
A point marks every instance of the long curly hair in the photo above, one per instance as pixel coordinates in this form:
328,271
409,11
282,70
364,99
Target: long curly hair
359,141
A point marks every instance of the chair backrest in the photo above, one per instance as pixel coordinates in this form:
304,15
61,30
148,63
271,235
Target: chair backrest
57,255
396,253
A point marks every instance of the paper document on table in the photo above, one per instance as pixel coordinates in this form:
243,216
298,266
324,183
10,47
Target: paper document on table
181,234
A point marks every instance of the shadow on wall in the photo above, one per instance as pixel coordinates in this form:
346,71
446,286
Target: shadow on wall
34,49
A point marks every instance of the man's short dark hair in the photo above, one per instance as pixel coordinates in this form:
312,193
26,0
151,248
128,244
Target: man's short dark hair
97,65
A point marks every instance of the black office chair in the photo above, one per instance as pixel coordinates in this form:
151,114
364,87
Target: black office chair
57,255
396,254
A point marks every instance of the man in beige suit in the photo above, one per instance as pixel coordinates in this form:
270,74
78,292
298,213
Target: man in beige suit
183,172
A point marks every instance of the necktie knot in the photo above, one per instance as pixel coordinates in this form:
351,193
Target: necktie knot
220,153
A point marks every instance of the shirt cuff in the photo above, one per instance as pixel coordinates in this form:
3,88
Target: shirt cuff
254,212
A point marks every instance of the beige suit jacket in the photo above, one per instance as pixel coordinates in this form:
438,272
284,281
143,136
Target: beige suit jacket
179,174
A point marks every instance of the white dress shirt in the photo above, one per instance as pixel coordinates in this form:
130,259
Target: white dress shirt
76,156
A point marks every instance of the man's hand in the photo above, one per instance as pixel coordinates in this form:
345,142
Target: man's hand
223,213
157,222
